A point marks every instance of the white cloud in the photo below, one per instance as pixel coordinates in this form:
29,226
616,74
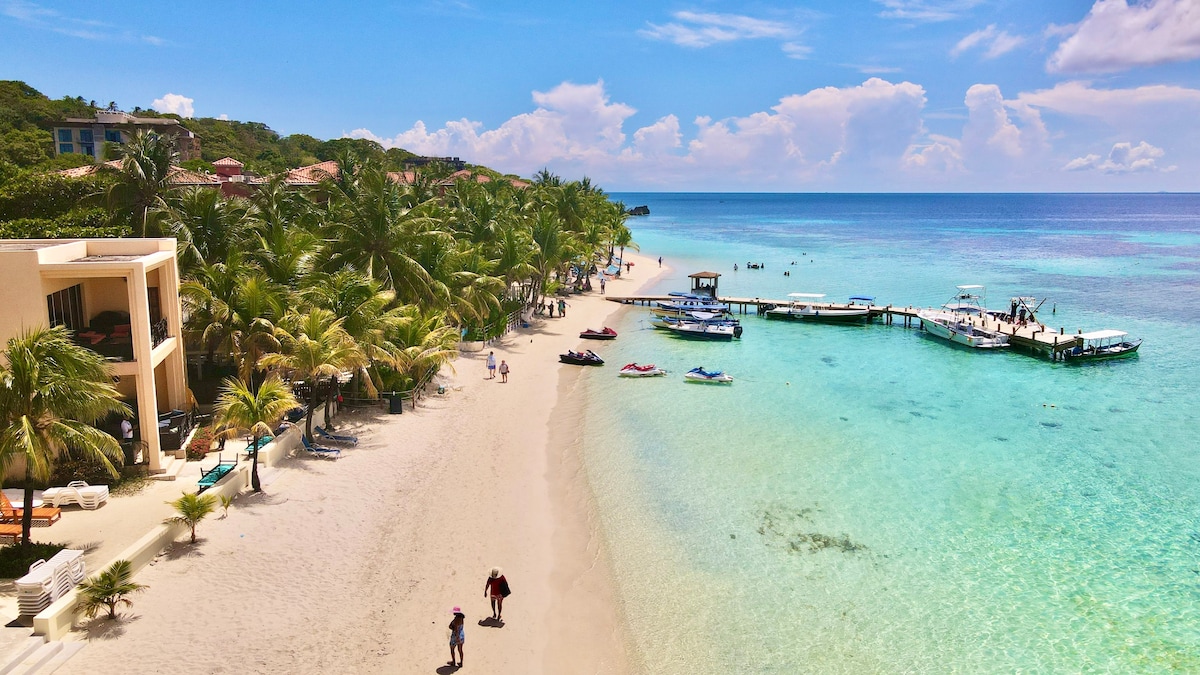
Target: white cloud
997,137
701,29
1118,36
997,42
926,10
705,29
1123,158
1140,104
174,103
223,116
860,130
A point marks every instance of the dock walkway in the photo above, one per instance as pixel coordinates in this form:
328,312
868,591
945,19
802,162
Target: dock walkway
1038,338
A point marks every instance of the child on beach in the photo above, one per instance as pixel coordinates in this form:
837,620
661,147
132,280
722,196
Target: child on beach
458,635
491,365
503,371
496,588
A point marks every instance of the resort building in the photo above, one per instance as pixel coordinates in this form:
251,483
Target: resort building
88,136
120,298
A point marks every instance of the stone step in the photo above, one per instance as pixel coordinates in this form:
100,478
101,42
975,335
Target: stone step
68,650
34,662
171,472
29,646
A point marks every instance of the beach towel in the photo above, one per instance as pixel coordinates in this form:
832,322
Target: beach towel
504,589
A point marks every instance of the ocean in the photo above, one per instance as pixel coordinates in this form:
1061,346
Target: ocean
869,499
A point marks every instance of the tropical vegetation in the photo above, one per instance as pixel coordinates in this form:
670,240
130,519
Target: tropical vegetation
190,509
108,590
362,284
52,391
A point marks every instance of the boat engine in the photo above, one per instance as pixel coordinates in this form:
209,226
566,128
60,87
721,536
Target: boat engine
737,331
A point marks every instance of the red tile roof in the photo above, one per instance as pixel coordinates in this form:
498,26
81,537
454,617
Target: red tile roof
227,161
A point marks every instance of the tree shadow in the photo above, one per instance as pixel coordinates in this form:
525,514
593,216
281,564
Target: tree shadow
184,549
104,628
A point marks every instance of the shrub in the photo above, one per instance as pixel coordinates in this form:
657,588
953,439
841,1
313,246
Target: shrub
15,560
201,443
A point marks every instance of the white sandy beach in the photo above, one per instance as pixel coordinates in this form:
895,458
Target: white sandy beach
354,565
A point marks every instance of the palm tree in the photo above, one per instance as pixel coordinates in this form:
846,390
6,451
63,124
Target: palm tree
315,348
108,589
207,225
51,393
367,311
235,307
238,407
192,509
147,163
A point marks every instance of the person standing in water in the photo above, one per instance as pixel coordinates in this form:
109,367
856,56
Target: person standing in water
496,588
458,635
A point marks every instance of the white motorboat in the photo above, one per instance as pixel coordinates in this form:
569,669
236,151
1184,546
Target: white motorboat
706,377
804,306
635,370
963,320
689,302
702,317
702,330
1102,344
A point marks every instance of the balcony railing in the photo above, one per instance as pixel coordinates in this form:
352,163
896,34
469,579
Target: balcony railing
158,333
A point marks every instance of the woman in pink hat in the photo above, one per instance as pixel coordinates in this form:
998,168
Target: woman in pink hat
458,635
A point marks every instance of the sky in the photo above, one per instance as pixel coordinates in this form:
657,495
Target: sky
826,95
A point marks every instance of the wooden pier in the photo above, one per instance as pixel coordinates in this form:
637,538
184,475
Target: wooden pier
1038,338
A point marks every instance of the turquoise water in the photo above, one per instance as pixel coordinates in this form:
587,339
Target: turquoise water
869,499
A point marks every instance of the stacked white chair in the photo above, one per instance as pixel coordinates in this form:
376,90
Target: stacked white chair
49,580
77,492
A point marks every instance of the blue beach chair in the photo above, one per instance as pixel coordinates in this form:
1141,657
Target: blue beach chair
335,438
320,450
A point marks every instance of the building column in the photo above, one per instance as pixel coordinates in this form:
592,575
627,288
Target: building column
147,396
172,310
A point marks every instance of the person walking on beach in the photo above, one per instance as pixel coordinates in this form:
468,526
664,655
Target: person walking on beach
496,588
601,285
491,364
660,261
503,371
458,635
562,307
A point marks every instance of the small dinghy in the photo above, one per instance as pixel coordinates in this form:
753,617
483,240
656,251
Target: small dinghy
702,375
587,358
634,370
606,334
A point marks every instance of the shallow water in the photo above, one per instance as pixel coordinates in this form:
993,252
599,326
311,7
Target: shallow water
870,499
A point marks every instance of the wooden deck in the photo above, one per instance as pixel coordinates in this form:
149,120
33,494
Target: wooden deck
1040,339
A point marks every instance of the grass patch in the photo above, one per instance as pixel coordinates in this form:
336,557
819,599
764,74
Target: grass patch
16,559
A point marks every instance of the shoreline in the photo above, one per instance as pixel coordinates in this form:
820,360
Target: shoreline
353,565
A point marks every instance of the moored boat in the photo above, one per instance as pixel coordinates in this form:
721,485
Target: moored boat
1102,344
635,370
706,377
606,334
702,330
689,302
585,358
804,306
962,321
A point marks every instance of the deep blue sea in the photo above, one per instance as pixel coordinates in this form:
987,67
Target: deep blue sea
868,499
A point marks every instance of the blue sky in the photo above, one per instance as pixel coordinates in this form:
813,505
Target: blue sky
875,95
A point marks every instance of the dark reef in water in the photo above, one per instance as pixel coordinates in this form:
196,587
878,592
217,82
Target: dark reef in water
790,531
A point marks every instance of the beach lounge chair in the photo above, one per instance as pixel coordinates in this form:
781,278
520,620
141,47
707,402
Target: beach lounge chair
77,492
210,477
44,516
319,450
335,438
9,533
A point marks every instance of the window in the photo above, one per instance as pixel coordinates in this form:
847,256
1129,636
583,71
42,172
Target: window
87,149
64,135
112,135
66,308
85,135
64,148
